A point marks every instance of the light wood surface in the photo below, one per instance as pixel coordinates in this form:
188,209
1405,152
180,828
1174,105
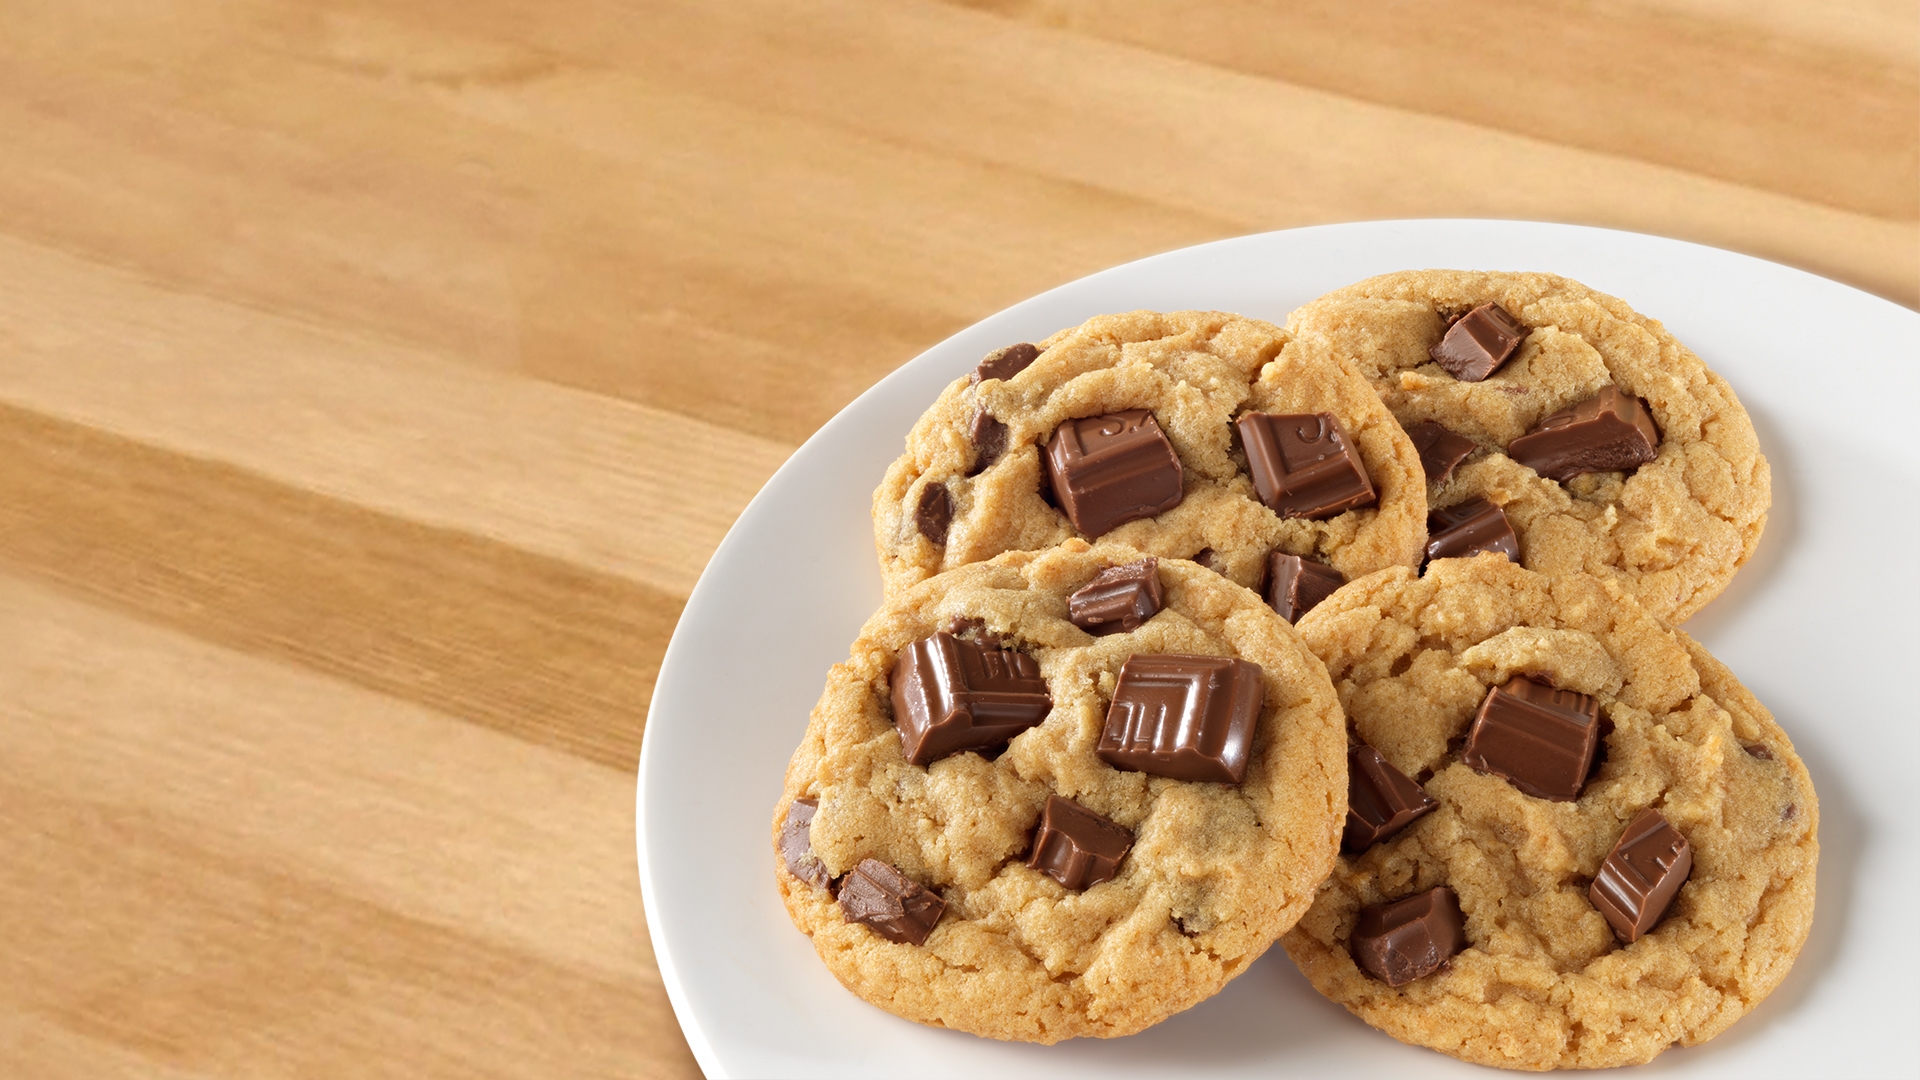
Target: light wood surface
376,378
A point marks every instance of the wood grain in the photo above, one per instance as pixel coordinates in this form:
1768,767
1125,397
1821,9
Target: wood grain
377,378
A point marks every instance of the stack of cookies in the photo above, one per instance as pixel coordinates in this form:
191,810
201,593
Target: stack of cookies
1202,634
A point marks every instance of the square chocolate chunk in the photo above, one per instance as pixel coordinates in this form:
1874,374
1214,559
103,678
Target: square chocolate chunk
1466,530
1479,343
1608,432
1441,449
897,907
1004,363
951,695
1381,800
1538,738
1641,875
1109,470
796,843
1304,465
1295,585
1077,847
1120,599
1184,717
1408,939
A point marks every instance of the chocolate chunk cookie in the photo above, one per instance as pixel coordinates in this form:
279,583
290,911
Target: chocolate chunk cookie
1191,435
1088,871
1628,834
1608,446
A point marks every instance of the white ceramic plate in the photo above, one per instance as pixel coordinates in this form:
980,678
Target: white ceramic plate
1819,625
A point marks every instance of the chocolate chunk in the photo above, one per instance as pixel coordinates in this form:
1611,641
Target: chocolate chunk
951,695
1295,584
1641,875
934,514
1077,847
1118,600
1609,431
897,907
1109,470
1479,343
1186,717
1463,531
989,441
1303,464
1441,450
1408,939
1538,738
1005,363
796,843
1380,800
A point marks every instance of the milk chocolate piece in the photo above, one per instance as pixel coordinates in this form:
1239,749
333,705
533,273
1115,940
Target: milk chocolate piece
796,843
1295,584
1381,800
989,438
1303,464
1609,431
951,695
1109,470
1077,847
1441,449
1463,531
1479,343
1408,939
1538,738
1185,717
934,514
897,907
1004,363
1641,875
1118,600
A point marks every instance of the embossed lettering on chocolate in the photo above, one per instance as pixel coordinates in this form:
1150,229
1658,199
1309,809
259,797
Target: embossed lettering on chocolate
951,695
1077,847
1108,470
1479,343
1466,530
1381,800
1538,738
1609,431
897,907
796,843
1184,717
1640,877
1303,464
1295,585
1441,449
1120,599
1408,939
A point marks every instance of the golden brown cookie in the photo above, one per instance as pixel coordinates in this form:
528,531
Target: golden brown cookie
1214,873
1672,531
1544,980
967,490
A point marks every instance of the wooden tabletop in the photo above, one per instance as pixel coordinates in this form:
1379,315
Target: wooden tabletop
376,378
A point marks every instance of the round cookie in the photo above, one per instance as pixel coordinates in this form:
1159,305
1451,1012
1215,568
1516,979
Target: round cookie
1215,874
1543,982
1197,372
1671,531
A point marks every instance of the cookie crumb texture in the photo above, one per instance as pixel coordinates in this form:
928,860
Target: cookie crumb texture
1543,983
1216,872
1197,372
1672,531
